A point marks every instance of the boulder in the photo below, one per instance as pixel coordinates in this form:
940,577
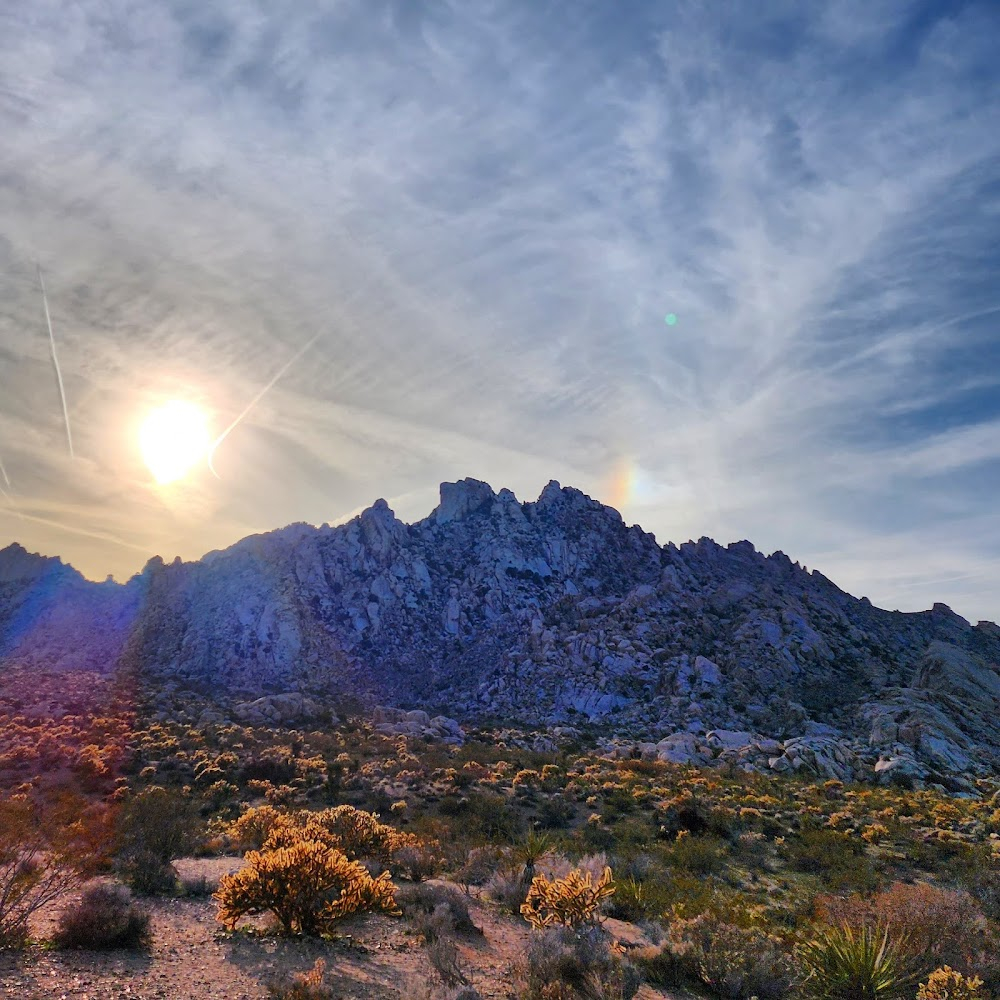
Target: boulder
728,739
682,748
281,709
900,770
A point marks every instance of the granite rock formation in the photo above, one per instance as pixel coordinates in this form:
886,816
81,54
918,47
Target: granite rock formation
542,614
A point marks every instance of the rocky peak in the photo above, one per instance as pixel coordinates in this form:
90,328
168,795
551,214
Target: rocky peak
566,499
379,527
546,613
943,611
459,500
18,564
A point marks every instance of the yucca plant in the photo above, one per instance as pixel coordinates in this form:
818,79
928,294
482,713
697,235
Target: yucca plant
847,964
531,849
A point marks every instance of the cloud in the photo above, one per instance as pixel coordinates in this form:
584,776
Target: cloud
486,210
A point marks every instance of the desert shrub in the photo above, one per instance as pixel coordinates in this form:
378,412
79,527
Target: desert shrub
816,852
418,862
442,952
617,802
480,864
698,855
196,886
567,964
489,815
509,886
155,827
303,985
103,918
573,901
752,849
661,966
733,962
633,901
947,984
307,886
43,854
982,882
415,900
276,765
846,964
555,812
838,859
356,833
939,926
686,812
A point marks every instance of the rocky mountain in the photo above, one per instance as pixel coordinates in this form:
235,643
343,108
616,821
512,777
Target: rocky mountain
545,614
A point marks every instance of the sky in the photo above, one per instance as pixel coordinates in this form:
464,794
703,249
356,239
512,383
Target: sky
486,213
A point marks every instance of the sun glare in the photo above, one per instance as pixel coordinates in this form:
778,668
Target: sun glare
173,439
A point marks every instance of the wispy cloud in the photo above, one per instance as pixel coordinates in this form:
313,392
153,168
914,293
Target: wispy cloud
487,210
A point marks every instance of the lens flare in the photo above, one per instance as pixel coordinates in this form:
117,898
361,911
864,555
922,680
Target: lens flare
173,439
621,483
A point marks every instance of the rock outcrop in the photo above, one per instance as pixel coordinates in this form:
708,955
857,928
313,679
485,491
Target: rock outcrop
546,614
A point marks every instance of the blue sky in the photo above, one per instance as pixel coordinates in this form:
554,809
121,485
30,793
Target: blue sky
487,209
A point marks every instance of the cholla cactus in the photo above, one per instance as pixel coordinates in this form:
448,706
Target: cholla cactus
306,885
354,832
947,984
572,901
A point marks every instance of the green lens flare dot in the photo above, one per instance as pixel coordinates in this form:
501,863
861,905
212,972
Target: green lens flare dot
670,319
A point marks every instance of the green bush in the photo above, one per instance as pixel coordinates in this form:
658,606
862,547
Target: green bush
837,859
698,855
155,827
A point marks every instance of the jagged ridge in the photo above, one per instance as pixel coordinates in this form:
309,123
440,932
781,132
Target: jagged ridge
541,613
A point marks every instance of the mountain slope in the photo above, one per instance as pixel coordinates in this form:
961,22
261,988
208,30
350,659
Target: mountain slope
540,613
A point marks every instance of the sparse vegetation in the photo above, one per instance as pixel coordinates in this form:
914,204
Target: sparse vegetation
734,874
563,963
45,852
303,985
103,918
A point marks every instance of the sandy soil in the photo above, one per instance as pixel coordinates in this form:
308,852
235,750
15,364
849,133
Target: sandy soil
376,957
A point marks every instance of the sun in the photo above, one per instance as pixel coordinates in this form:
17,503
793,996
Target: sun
173,439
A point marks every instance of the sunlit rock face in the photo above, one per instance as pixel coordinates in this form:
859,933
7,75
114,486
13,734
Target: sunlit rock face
546,613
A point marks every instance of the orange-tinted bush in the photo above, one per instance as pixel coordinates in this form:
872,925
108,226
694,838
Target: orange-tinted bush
306,885
944,926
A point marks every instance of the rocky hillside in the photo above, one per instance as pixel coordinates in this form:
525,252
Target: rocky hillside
552,613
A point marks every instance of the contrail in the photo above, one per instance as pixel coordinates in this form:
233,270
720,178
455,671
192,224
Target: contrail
253,402
71,529
55,362
7,493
